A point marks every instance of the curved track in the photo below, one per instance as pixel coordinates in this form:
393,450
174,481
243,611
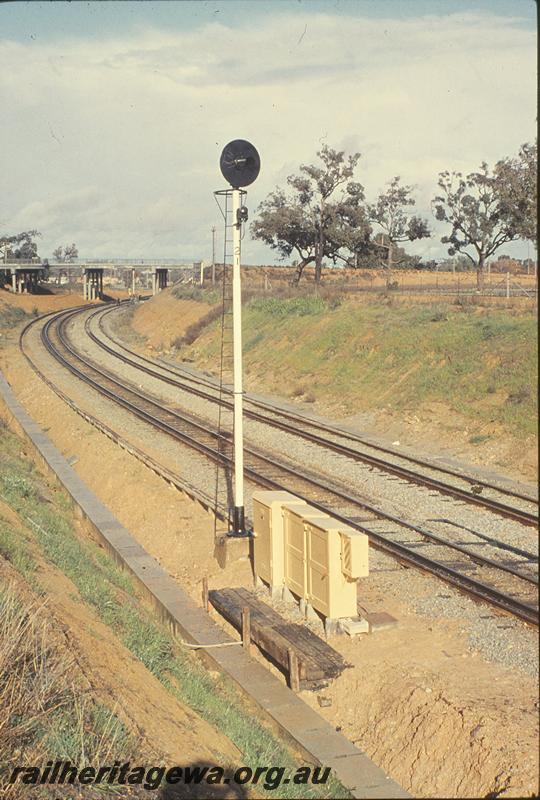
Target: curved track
508,584
470,489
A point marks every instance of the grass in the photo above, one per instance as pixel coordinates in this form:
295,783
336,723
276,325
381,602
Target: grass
479,439
366,356
10,317
290,307
87,733
110,592
15,550
193,331
199,294
121,325
44,714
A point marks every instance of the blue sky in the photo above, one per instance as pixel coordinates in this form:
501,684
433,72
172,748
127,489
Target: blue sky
54,20
118,111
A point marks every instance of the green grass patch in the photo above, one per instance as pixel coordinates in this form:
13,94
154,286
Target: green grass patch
378,355
87,733
197,293
288,307
15,550
121,325
111,593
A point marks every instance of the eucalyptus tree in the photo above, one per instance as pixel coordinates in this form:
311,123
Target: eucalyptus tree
311,219
517,190
391,213
479,219
67,254
21,246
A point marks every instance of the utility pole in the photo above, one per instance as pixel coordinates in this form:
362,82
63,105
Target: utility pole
213,254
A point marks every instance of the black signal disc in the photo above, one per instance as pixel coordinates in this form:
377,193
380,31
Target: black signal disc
239,163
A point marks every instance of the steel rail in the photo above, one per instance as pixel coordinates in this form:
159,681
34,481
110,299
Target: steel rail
525,517
300,418
401,552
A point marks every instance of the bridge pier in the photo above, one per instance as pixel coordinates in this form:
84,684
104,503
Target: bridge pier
24,280
159,279
93,283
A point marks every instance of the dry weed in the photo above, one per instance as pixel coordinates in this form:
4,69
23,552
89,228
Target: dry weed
44,714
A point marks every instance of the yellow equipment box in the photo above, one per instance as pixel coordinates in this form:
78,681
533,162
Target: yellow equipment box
295,517
268,545
336,555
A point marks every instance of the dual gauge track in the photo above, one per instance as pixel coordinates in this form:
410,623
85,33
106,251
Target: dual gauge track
507,579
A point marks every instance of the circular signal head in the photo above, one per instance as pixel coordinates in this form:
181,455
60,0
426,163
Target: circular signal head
239,163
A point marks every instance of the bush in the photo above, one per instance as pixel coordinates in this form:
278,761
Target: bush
11,316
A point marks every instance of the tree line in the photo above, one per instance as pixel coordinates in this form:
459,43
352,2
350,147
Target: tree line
23,247
323,214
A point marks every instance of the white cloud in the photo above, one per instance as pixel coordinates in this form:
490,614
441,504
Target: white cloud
114,143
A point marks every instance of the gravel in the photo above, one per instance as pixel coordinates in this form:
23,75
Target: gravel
499,638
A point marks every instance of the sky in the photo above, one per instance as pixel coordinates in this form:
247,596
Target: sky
114,114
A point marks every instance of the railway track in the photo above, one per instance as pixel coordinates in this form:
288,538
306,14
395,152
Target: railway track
507,582
440,478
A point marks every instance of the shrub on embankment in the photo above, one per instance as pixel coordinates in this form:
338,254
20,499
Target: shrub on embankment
368,356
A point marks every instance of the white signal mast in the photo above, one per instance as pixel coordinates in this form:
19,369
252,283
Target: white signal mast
240,165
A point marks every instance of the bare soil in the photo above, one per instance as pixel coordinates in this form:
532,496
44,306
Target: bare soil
165,318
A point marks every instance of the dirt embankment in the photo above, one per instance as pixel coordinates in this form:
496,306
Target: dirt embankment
112,676
44,303
164,319
453,383
104,672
